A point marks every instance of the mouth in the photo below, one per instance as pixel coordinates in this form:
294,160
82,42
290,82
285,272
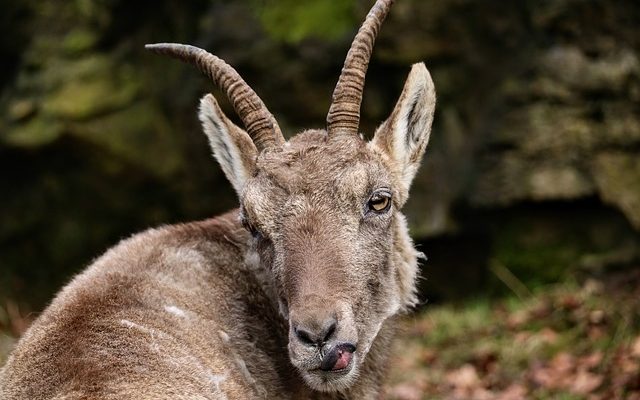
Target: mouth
342,367
334,379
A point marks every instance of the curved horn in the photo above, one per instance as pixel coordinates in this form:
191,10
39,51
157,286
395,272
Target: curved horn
344,113
259,122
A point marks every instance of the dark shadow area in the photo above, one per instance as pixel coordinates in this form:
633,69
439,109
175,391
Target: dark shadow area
535,244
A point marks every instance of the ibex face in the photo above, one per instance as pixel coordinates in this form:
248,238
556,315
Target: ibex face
324,213
324,207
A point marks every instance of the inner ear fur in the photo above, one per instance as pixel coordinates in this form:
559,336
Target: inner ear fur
231,145
404,136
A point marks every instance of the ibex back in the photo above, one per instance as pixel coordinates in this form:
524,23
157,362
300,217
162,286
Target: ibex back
293,296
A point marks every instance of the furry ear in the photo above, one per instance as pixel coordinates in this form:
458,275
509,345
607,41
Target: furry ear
403,137
232,147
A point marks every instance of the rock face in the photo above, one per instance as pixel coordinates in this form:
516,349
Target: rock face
539,110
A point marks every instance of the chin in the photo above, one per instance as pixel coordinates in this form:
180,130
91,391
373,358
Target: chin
332,381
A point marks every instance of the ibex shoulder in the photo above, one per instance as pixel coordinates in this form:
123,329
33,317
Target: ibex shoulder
158,306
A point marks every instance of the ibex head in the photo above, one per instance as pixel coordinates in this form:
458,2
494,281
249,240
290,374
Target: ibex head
324,207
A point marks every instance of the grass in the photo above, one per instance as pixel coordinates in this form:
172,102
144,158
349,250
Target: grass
564,341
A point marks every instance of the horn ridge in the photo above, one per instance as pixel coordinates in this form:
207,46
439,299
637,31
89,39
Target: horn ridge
259,122
344,113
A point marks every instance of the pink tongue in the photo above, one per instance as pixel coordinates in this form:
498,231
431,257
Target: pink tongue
344,357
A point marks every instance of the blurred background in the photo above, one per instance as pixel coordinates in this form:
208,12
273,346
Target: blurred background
527,205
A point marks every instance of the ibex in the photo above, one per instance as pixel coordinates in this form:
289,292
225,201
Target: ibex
295,295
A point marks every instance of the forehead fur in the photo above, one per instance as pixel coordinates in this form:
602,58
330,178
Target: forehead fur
311,161
314,173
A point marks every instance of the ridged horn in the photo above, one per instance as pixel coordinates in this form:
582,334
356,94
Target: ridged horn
258,121
344,113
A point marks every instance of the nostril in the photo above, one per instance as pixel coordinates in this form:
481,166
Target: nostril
319,334
304,336
330,331
348,347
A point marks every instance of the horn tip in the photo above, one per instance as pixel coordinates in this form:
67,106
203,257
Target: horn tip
154,46
169,47
157,47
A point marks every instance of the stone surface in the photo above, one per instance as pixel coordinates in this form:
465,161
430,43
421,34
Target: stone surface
617,176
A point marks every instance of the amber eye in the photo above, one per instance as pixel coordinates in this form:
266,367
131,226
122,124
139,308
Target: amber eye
380,202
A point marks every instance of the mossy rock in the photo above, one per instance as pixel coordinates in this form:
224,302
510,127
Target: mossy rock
79,41
36,132
293,21
140,135
511,177
540,128
617,176
82,99
539,247
569,65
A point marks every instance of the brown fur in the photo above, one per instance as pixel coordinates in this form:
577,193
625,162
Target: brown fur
211,310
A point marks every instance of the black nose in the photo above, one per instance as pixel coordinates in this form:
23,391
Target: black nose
339,357
318,336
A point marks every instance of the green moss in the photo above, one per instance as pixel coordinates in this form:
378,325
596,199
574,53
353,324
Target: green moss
138,134
475,316
79,100
36,132
292,20
78,41
617,175
21,110
538,262
539,248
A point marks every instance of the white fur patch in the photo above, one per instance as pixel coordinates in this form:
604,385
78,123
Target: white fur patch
175,311
129,324
153,345
216,380
244,370
224,336
150,331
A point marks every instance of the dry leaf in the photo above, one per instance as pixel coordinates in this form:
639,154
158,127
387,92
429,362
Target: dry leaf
405,391
548,335
463,377
592,360
563,363
635,348
513,392
570,302
597,317
585,382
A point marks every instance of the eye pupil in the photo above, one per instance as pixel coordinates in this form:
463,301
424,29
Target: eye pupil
379,203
